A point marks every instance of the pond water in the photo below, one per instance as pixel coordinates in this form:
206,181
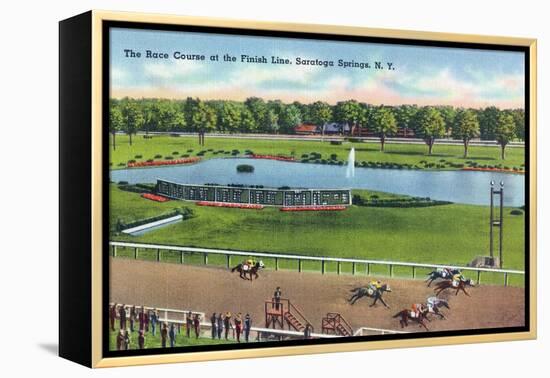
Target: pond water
467,187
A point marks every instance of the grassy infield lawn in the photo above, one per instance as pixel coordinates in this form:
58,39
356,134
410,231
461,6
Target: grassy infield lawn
447,234
152,342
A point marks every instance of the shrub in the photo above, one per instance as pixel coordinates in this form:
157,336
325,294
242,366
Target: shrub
185,155
190,150
131,161
516,212
138,156
245,168
333,157
123,183
175,153
305,156
168,157
336,142
158,156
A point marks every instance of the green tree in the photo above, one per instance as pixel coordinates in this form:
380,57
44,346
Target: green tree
115,120
448,113
488,122
429,126
383,123
230,117
132,118
505,131
465,128
248,124
289,118
151,116
271,122
519,120
171,118
320,114
349,112
404,116
258,108
203,117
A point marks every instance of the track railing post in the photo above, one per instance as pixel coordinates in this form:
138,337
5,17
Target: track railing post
300,266
135,253
158,254
339,267
323,266
206,259
181,257
276,263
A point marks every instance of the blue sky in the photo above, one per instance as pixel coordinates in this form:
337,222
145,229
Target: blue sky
422,75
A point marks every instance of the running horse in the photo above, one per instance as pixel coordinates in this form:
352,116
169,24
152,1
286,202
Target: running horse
453,284
444,273
419,317
244,268
370,292
434,304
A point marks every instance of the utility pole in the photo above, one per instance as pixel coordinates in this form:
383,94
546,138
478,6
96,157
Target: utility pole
496,221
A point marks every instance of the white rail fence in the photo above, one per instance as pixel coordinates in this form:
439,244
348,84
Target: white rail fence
205,252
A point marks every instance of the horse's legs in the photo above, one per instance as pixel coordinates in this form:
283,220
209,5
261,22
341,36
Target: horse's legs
353,299
464,290
383,302
439,313
375,300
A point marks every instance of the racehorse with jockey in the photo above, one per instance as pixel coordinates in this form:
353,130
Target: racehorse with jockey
375,289
441,273
250,267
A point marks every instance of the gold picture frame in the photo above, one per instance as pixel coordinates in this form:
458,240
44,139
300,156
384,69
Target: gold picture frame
92,295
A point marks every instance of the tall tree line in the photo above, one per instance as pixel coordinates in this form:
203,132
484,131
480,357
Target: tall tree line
255,115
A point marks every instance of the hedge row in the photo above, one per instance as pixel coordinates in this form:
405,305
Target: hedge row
397,202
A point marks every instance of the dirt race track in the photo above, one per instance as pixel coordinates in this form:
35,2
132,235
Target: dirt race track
212,289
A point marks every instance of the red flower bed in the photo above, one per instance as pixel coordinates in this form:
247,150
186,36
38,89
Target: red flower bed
231,205
273,157
314,208
155,197
492,170
163,162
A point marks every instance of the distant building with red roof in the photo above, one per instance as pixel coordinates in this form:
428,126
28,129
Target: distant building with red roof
306,129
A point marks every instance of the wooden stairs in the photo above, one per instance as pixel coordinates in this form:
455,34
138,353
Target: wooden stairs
334,323
277,314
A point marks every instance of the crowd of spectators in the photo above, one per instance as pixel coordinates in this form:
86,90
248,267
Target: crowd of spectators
146,321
